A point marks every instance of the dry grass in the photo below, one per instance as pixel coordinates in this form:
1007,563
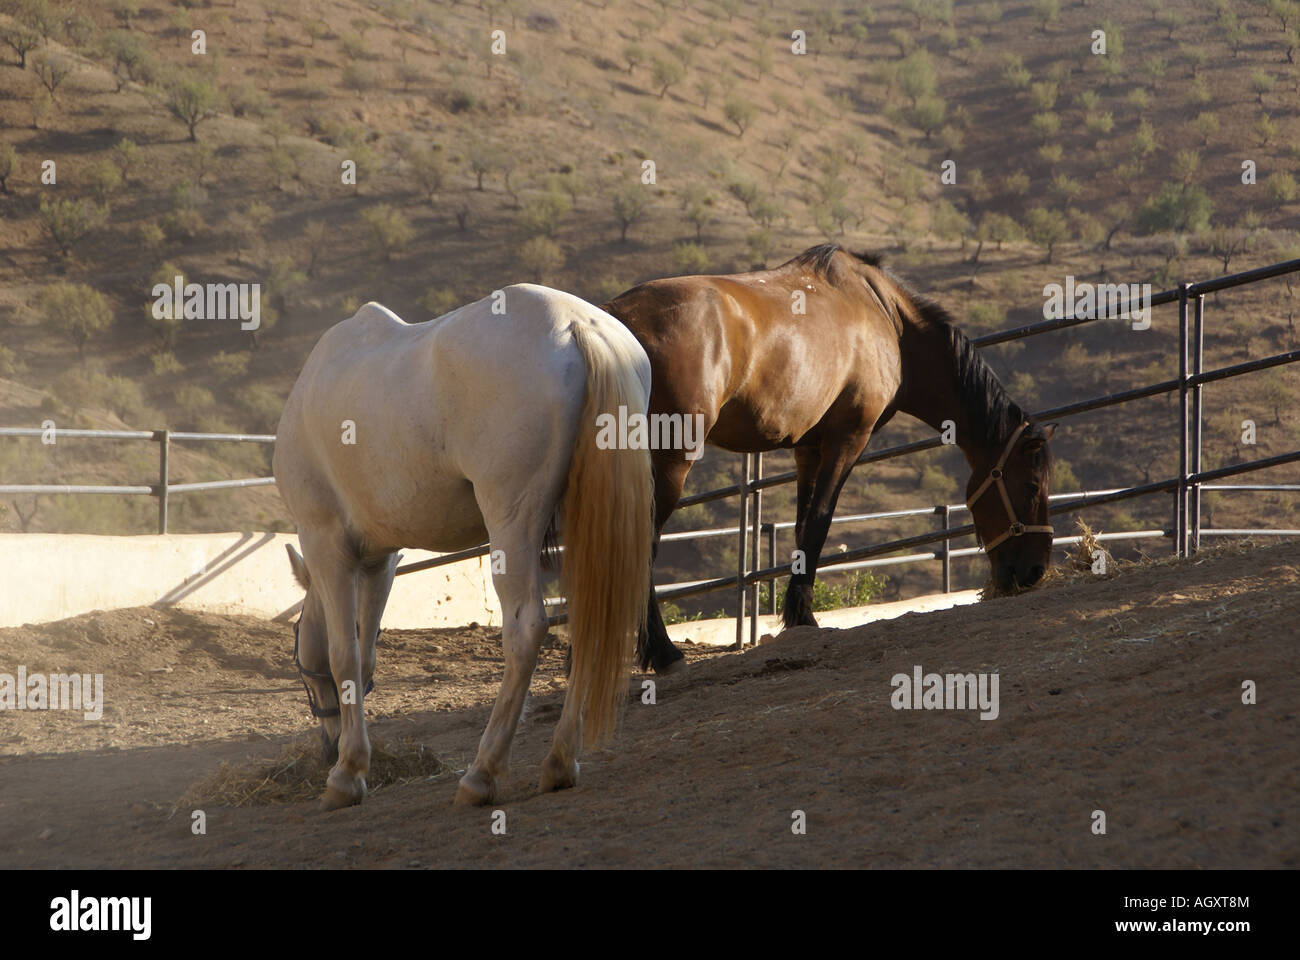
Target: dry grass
298,774
1078,564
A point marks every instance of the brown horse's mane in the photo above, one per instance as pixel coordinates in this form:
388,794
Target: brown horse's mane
993,414
821,258
991,409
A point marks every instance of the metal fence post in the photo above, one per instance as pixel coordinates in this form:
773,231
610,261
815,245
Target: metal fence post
1198,359
754,550
164,448
946,553
1180,494
771,562
743,527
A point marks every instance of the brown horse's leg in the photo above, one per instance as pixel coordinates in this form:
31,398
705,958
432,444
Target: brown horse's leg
806,460
653,648
833,468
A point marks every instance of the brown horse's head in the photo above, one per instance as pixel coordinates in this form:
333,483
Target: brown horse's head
1008,505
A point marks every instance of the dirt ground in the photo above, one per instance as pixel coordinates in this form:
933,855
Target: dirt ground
1122,695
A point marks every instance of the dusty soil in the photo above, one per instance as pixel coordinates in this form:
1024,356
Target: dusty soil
1122,695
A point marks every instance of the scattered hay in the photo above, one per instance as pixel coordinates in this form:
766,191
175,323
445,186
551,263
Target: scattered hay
1078,566
298,774
1084,559
1082,563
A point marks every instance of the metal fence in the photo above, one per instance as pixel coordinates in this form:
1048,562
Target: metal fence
163,489
1185,530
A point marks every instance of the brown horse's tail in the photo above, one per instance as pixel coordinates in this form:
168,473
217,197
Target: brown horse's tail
607,531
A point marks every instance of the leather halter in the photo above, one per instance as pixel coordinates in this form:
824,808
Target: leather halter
1016,528
303,673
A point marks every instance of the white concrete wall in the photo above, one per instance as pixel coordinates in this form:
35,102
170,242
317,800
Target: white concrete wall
51,576
720,633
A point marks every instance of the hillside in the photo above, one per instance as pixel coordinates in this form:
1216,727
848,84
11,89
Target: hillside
476,169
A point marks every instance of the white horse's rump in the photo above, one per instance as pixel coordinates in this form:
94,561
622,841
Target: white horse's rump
474,426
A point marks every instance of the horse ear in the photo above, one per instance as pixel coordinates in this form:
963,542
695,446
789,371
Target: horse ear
1039,435
299,567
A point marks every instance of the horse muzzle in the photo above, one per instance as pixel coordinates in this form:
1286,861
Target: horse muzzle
1011,579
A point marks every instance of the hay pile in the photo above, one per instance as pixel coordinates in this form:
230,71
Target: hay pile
1078,565
298,774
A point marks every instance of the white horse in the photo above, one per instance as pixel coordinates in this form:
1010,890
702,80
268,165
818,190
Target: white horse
478,425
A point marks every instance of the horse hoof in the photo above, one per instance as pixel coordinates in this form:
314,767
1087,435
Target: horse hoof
342,790
804,620
798,609
474,791
557,775
336,799
668,669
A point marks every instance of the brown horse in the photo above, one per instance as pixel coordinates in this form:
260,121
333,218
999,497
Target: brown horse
814,356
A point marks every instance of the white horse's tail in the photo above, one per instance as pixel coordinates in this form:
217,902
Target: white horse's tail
607,530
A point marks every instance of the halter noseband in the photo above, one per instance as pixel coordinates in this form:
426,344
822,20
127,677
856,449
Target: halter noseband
1016,528
303,673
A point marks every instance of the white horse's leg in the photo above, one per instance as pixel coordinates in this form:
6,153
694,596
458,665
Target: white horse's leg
334,574
375,584
522,631
560,768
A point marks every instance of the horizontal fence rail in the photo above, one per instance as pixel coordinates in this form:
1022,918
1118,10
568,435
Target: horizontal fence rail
1187,487
163,489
